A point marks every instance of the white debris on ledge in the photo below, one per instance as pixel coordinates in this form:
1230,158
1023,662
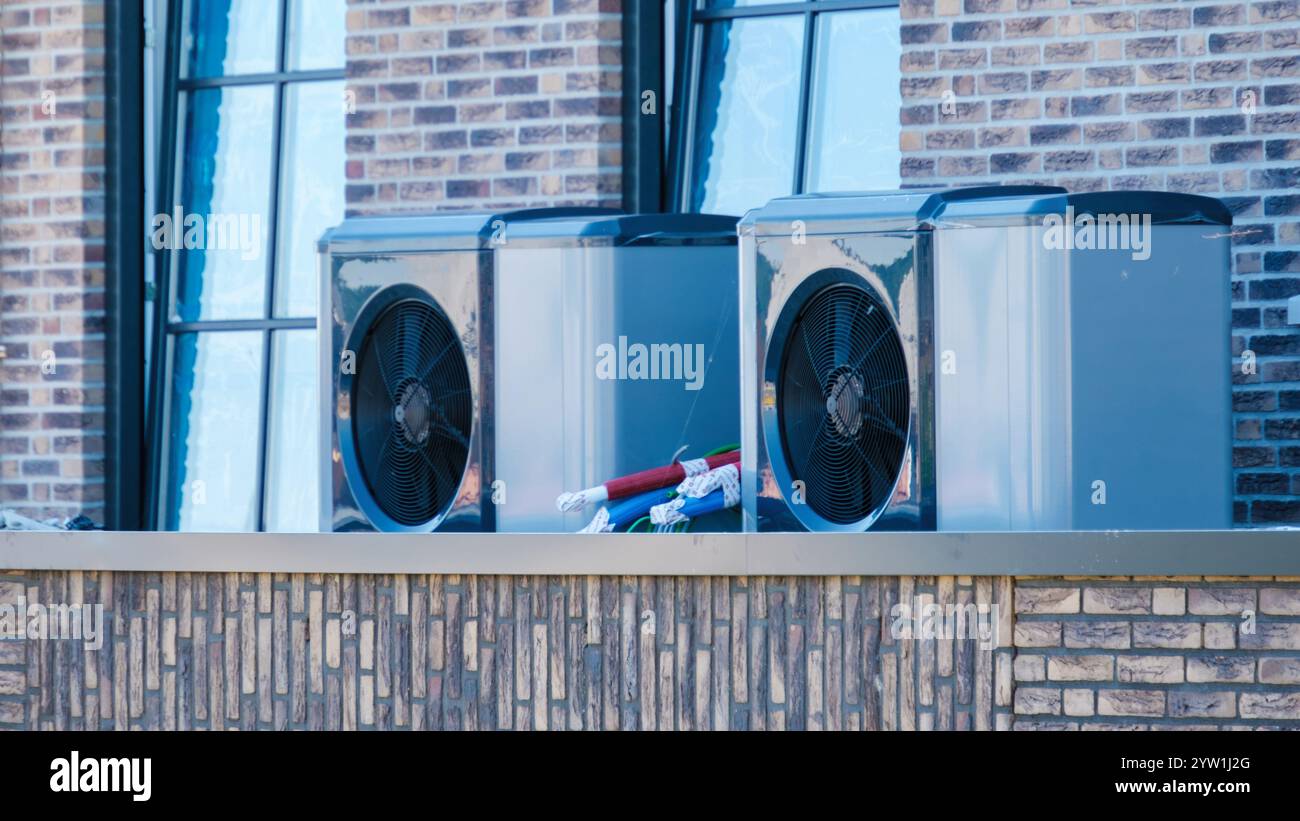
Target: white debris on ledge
16,521
10,520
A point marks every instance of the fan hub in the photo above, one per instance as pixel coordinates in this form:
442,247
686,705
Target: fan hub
844,403
413,413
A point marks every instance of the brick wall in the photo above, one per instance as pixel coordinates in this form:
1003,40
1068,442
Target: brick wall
52,258
263,651
1199,97
274,651
1169,653
484,104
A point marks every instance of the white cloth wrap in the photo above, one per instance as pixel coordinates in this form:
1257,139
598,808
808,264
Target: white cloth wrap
599,523
668,513
567,502
698,486
695,467
726,477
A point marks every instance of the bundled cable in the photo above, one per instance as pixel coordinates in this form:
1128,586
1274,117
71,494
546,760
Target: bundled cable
626,512
699,495
636,483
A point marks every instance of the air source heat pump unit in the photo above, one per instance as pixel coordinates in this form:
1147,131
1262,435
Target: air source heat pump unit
476,366
1001,358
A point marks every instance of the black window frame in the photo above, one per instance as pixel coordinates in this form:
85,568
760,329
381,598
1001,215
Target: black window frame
695,16
124,451
167,198
644,186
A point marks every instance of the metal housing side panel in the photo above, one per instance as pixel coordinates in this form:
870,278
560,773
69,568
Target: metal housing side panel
548,306
1082,389
1152,392
1003,394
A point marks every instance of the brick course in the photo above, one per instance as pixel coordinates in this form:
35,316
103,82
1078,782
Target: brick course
1091,95
52,258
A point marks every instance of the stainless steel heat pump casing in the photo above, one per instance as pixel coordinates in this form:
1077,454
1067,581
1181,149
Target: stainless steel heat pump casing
537,299
1050,387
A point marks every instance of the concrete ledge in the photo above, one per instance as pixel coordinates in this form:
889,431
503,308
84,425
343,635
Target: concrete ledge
1126,553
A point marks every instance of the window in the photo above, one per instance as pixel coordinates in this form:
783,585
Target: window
255,177
788,97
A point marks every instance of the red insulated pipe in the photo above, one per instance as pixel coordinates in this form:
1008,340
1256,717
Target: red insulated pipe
634,483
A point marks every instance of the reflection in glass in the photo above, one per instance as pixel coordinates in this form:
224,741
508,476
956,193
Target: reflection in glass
212,453
317,34
227,37
311,189
853,122
747,113
226,172
292,492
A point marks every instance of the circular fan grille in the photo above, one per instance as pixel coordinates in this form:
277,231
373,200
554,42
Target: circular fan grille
843,403
412,412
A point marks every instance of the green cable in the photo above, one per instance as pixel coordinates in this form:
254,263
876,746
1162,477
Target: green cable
723,449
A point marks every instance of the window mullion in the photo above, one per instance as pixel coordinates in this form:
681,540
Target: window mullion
264,404
805,92
164,271
688,107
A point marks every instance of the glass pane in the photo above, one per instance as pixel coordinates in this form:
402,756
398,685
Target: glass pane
317,31
212,447
311,190
292,455
747,113
227,37
225,190
853,128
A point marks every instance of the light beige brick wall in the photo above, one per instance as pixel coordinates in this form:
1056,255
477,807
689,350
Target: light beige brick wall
52,258
1157,653
484,104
